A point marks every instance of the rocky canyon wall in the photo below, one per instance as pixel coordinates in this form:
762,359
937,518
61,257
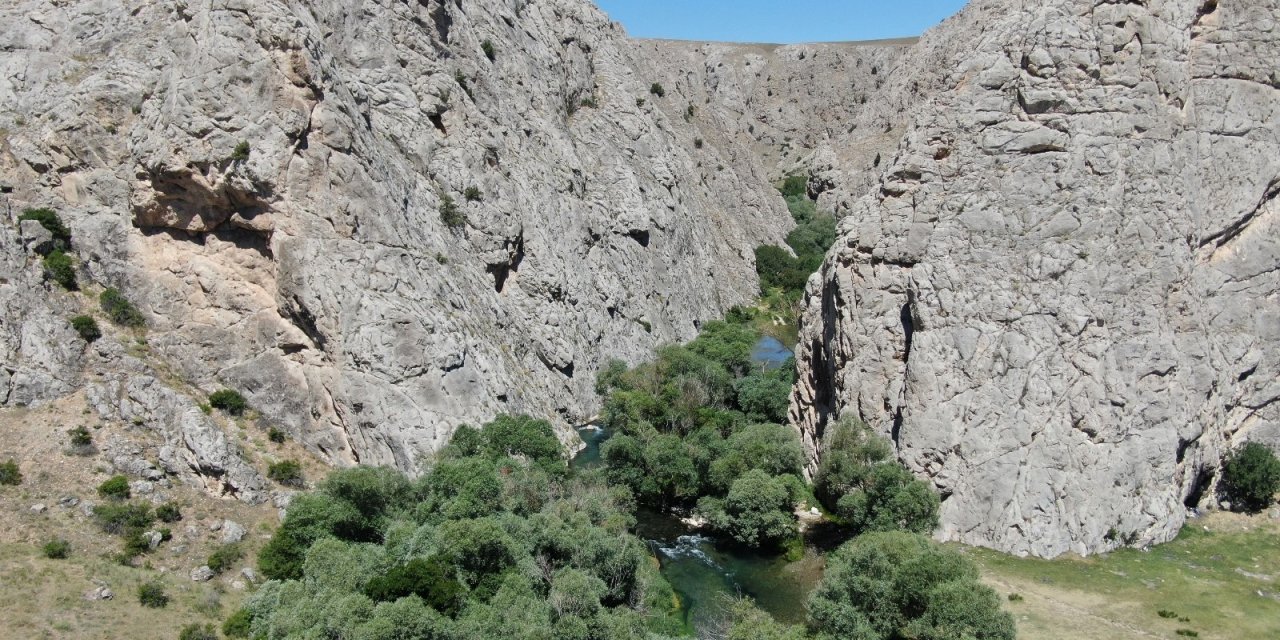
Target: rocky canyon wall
1060,298
377,220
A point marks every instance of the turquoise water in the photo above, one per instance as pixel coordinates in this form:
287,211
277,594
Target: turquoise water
770,352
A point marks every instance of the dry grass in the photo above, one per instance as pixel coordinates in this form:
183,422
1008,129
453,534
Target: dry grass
42,598
1220,579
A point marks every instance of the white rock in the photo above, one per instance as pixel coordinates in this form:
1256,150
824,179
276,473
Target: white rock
232,532
202,574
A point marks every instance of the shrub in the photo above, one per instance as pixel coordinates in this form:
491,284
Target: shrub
87,327
903,585
198,632
489,51
472,194
115,488
657,90
229,401
795,186
275,435
225,557
590,102
119,310
1015,597
450,213
80,437
9,473
119,518
697,143
238,625
50,221
1165,613
56,549
241,152
1251,477
286,472
152,595
59,268
168,512
1188,633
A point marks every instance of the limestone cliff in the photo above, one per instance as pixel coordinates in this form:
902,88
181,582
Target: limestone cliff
378,220
1060,299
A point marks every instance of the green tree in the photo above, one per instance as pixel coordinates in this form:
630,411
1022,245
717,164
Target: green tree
757,512
576,593
407,618
478,548
1251,477
891,585
771,448
891,500
850,451
795,187
430,579
766,394
524,436
670,475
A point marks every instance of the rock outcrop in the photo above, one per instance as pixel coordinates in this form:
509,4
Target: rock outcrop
377,221
801,109
1060,300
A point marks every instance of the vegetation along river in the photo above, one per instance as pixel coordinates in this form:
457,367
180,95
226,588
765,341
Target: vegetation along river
706,573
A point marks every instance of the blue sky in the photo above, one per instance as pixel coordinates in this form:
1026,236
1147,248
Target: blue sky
779,21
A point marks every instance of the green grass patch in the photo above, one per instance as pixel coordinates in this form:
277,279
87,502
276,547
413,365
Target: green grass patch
1226,580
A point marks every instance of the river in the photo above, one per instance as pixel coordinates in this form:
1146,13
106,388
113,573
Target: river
704,574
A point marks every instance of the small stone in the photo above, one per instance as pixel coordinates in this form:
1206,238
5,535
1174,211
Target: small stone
232,532
86,508
141,487
249,574
201,574
216,525
68,501
101,592
39,508
178,549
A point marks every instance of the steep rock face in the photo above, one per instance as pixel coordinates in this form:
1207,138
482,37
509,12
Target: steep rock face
799,108
378,220
1061,299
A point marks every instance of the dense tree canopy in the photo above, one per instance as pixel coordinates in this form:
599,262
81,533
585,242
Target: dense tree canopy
896,585
493,541
691,423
